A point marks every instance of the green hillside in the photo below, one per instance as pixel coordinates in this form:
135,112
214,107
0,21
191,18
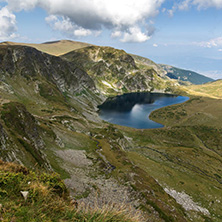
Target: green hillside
48,199
49,123
185,75
144,62
212,89
114,71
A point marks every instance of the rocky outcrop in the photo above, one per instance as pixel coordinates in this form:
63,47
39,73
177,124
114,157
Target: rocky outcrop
31,63
18,119
24,132
114,71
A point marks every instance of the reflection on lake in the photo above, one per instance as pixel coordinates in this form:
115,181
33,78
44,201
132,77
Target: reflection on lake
133,109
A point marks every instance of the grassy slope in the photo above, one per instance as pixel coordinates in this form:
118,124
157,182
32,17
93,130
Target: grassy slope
48,199
169,155
70,124
60,126
56,48
144,62
212,89
186,154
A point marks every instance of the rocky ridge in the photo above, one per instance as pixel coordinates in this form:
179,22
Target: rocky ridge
58,99
116,72
31,63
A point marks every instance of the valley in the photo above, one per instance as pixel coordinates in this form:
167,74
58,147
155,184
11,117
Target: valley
50,122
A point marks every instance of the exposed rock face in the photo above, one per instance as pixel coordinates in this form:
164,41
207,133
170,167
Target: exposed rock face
186,201
23,126
57,127
31,63
3,138
53,79
115,71
150,63
18,119
7,148
126,58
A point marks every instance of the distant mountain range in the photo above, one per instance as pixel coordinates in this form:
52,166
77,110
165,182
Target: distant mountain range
185,75
62,47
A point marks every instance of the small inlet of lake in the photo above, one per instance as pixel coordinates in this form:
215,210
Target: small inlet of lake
133,109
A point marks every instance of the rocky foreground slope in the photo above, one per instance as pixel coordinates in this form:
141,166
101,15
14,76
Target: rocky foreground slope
26,196
49,122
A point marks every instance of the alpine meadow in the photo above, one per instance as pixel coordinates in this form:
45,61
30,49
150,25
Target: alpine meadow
105,127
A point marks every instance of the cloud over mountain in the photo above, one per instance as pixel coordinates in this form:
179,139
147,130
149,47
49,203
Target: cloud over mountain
86,17
126,20
7,24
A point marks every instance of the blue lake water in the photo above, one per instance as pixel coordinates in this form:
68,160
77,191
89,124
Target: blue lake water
133,109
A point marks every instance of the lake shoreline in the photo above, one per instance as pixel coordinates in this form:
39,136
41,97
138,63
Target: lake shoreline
133,109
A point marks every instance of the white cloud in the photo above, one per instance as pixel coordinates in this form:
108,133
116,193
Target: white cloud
66,26
216,42
171,12
18,5
84,16
184,5
82,32
200,4
7,24
61,24
207,3
116,34
134,34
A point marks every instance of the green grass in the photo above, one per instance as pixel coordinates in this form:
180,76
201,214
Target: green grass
212,89
144,185
186,154
48,200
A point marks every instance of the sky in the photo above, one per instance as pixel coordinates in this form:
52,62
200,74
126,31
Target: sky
183,33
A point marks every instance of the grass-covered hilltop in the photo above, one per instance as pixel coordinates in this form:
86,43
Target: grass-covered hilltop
76,167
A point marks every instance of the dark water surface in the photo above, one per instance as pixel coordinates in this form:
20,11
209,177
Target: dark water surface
133,109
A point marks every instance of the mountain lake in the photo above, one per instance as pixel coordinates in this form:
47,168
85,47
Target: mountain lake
133,109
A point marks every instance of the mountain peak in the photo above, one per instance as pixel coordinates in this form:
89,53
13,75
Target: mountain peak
55,48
